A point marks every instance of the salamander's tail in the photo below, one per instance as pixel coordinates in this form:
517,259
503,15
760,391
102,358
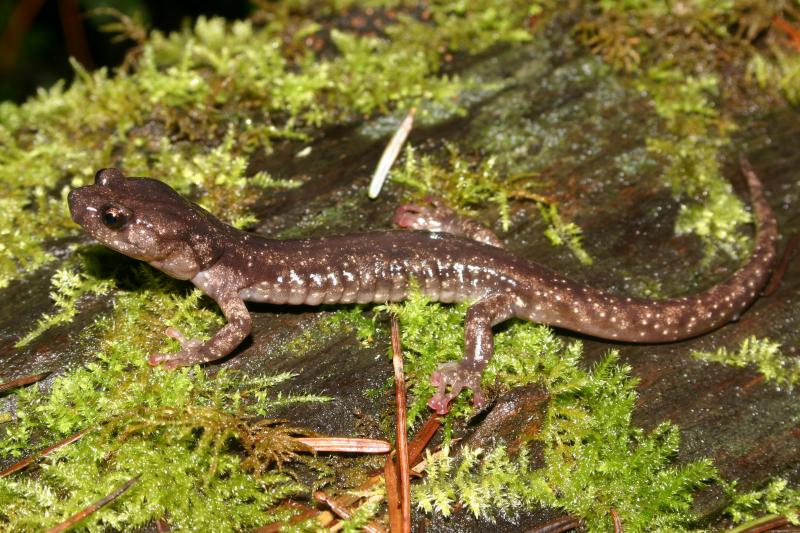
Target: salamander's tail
726,301
766,226
610,316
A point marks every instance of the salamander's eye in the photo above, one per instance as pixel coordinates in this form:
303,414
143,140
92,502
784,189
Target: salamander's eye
114,217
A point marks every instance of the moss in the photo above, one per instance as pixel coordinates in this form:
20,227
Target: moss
775,499
663,48
594,458
69,285
761,353
562,233
461,184
180,426
183,426
783,71
171,484
695,135
485,483
631,35
599,460
464,186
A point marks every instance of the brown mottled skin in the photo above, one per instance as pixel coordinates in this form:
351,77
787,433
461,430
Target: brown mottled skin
145,219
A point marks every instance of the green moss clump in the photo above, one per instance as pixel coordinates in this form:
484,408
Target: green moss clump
663,48
695,134
595,459
763,354
69,285
486,483
464,186
783,71
560,232
432,333
181,430
630,34
751,508
461,184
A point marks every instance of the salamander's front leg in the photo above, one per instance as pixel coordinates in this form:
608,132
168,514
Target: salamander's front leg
195,351
434,215
452,377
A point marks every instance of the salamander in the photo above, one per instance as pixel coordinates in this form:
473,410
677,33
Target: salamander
449,259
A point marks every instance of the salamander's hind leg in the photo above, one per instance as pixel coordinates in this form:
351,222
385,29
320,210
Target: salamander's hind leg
434,215
452,377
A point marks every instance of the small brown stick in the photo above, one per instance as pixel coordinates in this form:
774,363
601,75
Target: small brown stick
345,444
764,524
420,441
19,465
793,33
390,154
559,525
394,504
343,512
777,275
77,517
531,196
25,380
402,429
616,520
422,437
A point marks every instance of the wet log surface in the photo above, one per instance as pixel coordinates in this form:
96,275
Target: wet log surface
576,124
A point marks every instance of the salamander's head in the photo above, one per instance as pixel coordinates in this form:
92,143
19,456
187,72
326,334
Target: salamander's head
146,219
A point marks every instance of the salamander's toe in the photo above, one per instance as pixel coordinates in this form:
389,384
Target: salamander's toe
450,379
433,215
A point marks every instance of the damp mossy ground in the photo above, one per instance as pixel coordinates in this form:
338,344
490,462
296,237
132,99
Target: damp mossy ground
595,459
761,353
188,108
184,426
192,107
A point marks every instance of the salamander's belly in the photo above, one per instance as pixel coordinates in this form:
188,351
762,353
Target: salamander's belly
372,281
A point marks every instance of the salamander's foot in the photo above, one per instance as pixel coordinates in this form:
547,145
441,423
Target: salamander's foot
435,216
192,352
431,216
455,377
